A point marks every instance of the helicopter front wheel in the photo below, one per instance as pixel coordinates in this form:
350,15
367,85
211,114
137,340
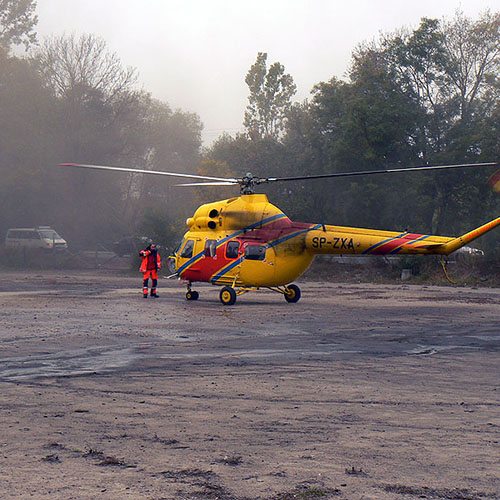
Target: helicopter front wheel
192,295
227,296
292,293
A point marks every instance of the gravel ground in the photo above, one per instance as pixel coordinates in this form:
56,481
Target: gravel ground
358,391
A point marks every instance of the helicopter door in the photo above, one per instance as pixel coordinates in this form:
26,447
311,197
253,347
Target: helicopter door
189,254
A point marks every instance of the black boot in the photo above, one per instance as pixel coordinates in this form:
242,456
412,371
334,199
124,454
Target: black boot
153,289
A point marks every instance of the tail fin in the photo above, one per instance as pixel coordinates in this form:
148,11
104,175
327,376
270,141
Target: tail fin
463,240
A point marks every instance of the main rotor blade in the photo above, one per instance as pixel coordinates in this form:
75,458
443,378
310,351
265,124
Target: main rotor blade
216,183
372,172
156,172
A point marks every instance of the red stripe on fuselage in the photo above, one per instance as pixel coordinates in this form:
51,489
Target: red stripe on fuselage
393,244
275,230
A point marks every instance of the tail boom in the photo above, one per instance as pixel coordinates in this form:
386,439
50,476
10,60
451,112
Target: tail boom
348,240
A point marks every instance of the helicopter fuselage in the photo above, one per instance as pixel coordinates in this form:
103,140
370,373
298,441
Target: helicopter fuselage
243,241
248,242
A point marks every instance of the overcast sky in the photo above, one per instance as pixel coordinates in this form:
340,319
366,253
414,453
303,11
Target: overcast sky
195,54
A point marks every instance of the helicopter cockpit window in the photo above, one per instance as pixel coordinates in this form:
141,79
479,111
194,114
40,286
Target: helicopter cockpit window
179,246
255,252
187,251
210,248
232,249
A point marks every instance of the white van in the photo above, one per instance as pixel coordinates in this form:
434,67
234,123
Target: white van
43,237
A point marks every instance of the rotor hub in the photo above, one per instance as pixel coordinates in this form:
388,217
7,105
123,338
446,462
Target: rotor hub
248,183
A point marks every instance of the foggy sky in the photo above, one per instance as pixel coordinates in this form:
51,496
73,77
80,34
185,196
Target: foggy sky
194,54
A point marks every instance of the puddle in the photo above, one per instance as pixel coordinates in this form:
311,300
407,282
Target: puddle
67,363
103,359
429,350
108,358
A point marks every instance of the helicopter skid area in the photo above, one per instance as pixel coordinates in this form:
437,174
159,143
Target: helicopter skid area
356,391
228,294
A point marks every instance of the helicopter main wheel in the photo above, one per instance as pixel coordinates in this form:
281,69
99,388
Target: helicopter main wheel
192,295
292,293
227,296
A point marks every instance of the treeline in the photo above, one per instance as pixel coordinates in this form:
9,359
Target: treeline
424,96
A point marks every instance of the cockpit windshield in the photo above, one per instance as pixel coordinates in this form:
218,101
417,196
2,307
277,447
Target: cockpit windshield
179,246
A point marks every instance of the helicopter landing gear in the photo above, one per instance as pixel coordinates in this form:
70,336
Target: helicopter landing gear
191,294
227,296
292,293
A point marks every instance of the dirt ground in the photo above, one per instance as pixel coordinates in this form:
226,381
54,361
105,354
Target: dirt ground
356,392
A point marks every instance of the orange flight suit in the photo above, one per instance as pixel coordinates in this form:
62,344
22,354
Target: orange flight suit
151,263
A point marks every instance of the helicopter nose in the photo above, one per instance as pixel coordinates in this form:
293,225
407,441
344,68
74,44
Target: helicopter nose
171,264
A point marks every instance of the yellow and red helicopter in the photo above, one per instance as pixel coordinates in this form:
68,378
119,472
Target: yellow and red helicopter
246,243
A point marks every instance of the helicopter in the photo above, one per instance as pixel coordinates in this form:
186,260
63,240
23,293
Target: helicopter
246,243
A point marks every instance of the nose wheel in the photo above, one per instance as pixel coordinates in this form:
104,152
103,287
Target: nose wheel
192,295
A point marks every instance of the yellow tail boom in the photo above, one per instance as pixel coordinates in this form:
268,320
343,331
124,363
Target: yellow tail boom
349,240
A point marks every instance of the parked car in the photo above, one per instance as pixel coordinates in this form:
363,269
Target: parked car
41,237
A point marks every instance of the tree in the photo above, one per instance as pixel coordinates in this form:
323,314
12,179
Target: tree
213,168
450,70
364,124
105,120
171,142
77,68
95,94
95,104
17,20
27,145
423,96
269,100
473,49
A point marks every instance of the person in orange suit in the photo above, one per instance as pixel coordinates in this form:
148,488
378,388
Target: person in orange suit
150,265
